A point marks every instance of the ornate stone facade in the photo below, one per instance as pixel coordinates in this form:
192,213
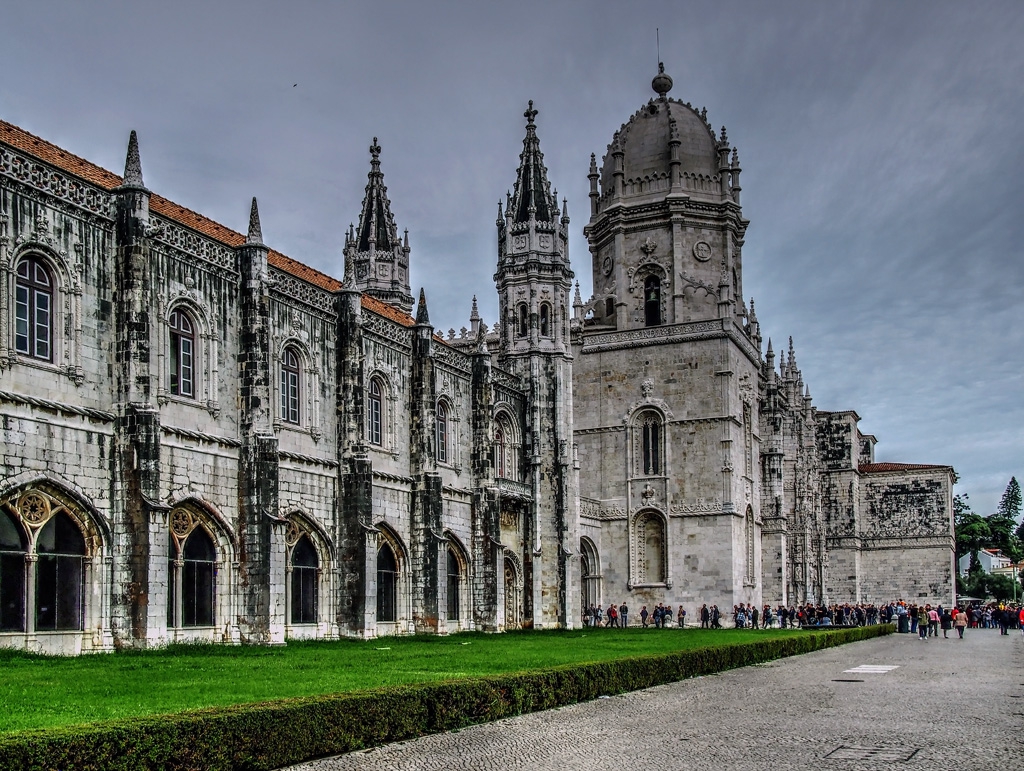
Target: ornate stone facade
207,440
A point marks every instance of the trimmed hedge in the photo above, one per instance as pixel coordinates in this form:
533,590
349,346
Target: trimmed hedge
272,734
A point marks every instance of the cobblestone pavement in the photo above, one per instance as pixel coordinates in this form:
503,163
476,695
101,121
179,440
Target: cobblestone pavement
947,704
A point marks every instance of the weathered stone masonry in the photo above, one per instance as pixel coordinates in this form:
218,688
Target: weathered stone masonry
207,440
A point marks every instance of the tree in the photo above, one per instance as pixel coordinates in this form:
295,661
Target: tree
1010,505
1003,536
972,530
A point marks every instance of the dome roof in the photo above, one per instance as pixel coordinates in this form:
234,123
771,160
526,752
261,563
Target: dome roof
644,140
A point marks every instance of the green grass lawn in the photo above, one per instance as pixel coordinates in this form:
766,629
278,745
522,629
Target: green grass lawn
43,692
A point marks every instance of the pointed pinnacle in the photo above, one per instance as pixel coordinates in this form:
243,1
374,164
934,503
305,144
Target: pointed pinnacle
422,317
474,315
255,234
133,163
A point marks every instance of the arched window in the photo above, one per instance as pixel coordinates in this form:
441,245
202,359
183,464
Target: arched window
60,575
13,549
590,574
505,453
387,584
513,612
454,585
290,386
649,445
182,350
33,302
304,568
545,320
198,571
650,543
652,301
375,413
523,321
442,432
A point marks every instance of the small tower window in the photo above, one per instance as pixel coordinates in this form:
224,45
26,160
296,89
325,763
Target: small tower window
523,321
649,444
652,301
545,320
609,308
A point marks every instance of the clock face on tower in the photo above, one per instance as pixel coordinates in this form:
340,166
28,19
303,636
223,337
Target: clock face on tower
606,266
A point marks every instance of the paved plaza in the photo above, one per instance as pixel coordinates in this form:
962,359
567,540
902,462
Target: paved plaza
935,704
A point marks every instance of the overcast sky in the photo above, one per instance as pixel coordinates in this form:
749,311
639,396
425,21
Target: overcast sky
881,145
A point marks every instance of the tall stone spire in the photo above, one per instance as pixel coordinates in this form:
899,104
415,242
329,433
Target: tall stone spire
378,257
255,235
532,198
133,164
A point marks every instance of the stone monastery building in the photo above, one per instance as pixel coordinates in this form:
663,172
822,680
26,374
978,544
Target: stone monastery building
205,439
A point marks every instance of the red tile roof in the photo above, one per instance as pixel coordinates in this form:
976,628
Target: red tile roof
881,468
96,175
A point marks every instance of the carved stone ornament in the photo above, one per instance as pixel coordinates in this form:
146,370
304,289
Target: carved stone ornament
34,508
649,246
702,251
519,243
545,241
181,522
646,387
648,495
293,534
607,265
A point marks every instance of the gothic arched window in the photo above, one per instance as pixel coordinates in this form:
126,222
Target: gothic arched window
303,576
505,453
198,570
13,550
33,334
523,321
545,320
652,301
649,447
290,386
750,541
375,413
60,575
443,420
182,350
387,584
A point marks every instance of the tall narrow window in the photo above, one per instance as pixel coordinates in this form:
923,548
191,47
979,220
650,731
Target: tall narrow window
60,575
500,451
290,386
33,310
650,537
649,436
442,433
304,582
374,413
545,320
523,321
13,547
197,585
750,545
182,353
387,585
652,301
454,585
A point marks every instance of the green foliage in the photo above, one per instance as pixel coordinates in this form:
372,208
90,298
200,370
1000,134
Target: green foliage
272,734
45,692
1001,587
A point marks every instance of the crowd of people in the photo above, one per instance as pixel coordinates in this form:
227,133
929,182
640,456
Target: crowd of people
924,620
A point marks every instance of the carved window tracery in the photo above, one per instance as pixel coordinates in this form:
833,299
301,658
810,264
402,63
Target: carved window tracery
506,448
649,444
188,359
197,581
33,310
650,548
290,386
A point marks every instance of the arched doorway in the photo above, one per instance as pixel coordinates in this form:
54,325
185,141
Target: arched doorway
513,596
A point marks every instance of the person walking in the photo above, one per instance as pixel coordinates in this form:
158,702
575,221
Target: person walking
705,616
960,621
643,616
946,622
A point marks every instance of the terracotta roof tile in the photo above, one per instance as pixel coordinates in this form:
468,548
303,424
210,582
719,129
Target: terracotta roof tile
881,468
90,172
